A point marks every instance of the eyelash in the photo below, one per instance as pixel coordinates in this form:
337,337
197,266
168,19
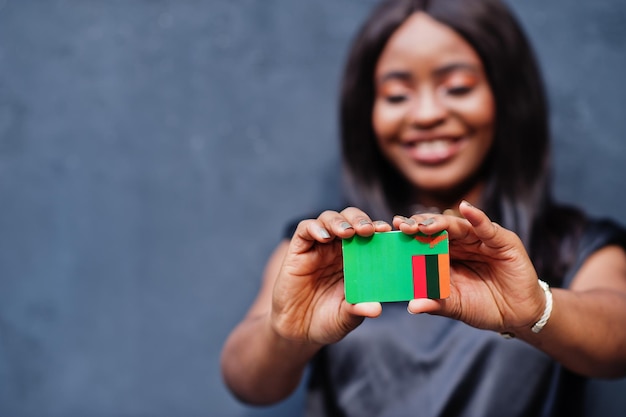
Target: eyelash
453,91
395,99
458,91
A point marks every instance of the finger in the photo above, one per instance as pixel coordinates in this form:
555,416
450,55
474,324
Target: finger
359,220
312,229
336,224
452,212
406,224
382,226
457,227
413,224
307,233
428,223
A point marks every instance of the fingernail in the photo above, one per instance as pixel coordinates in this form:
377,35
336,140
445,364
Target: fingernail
324,233
380,223
407,220
410,312
427,222
345,225
364,222
467,203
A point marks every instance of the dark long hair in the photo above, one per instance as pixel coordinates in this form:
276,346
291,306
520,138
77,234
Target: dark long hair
516,172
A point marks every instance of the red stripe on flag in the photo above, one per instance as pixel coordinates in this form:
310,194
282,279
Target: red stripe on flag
419,276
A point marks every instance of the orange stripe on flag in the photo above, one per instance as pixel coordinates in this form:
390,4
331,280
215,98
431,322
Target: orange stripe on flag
444,275
432,241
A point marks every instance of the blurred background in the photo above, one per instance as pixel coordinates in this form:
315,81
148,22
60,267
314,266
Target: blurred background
151,153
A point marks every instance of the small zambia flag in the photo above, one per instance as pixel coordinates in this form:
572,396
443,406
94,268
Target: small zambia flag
393,266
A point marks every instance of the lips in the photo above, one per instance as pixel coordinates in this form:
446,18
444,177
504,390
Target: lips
433,151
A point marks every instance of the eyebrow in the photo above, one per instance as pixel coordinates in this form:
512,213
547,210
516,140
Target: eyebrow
438,72
446,69
395,75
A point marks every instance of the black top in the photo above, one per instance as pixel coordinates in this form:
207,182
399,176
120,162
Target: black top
424,365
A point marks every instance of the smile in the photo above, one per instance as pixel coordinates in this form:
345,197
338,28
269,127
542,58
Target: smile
435,151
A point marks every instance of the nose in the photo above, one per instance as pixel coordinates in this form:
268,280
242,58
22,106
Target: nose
427,109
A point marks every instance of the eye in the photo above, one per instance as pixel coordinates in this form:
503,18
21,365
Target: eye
395,99
393,91
459,83
458,91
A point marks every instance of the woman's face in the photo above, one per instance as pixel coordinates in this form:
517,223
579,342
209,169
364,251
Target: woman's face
434,111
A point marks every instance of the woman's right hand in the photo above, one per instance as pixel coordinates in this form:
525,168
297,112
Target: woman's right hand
308,302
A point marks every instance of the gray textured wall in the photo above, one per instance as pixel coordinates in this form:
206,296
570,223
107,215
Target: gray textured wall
151,152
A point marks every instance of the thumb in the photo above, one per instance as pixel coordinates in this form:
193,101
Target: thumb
426,305
490,233
369,309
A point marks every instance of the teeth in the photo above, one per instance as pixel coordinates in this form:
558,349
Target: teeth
434,147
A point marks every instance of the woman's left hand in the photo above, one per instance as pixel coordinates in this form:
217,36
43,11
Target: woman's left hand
493,284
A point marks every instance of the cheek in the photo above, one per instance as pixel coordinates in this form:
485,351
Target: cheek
480,111
386,121
482,122
482,118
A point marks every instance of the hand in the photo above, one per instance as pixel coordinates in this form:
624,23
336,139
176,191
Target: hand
308,302
493,284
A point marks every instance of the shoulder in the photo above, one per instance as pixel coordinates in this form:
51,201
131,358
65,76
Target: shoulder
593,232
597,234
565,237
583,233
602,232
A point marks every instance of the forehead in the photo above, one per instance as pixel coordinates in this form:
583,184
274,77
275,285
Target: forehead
422,41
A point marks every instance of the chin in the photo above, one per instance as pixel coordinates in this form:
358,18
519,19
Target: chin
436,183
